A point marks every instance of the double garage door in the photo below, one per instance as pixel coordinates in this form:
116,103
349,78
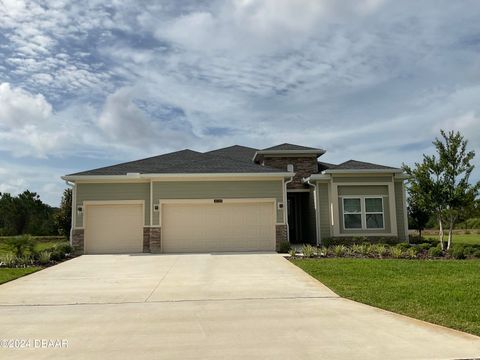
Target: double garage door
186,227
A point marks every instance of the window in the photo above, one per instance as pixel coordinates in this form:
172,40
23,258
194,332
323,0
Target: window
363,213
374,213
352,213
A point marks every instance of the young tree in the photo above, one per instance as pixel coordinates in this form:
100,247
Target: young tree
418,215
456,162
63,218
442,182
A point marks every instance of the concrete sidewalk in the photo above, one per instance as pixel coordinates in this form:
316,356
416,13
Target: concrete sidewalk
242,306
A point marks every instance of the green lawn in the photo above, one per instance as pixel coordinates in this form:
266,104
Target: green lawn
444,292
465,239
7,274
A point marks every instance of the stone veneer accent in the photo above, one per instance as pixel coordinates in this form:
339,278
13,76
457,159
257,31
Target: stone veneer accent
303,166
155,240
280,235
146,239
78,240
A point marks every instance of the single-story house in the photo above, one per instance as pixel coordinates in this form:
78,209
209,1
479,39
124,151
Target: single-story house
233,199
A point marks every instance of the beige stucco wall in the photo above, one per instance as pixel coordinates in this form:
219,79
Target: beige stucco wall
110,192
217,189
374,185
323,207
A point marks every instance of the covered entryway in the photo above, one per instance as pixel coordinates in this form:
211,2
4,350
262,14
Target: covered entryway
212,227
113,228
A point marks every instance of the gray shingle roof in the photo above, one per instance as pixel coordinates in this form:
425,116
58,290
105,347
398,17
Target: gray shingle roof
184,161
235,152
287,147
360,165
322,165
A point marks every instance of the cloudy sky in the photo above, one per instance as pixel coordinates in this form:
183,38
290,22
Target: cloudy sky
85,84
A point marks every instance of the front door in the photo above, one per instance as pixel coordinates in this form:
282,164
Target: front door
298,217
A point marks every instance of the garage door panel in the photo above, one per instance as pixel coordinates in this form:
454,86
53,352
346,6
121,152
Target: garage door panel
218,227
114,229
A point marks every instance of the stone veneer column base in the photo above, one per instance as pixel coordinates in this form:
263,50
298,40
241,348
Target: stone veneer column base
155,240
78,241
146,239
280,235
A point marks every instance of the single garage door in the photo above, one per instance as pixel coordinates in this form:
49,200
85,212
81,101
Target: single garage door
218,227
114,229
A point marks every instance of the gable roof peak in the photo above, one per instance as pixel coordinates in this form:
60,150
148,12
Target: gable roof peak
290,147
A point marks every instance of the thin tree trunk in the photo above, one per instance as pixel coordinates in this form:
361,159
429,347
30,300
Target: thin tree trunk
420,233
440,233
450,231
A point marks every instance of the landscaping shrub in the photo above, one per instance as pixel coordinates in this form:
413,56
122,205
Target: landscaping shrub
284,247
339,250
476,254
412,252
44,257
379,250
308,250
324,251
468,250
425,246
397,252
20,245
457,252
357,249
61,251
404,246
8,259
24,260
435,252
391,240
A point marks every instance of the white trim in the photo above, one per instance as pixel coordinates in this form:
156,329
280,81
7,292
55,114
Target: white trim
405,212
363,211
364,171
286,153
151,202
285,202
392,205
176,176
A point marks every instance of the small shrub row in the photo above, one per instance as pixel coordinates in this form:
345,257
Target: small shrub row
398,251
22,253
352,240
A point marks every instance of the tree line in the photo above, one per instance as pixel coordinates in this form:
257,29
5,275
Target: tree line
440,186
25,213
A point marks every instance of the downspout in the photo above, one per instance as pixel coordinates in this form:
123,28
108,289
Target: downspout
285,214
317,223
74,205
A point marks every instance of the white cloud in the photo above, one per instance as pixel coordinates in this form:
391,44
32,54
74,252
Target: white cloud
19,107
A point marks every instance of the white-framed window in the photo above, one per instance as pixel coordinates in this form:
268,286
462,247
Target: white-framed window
352,213
363,213
374,213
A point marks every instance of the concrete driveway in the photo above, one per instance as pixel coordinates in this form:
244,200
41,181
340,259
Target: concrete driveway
241,306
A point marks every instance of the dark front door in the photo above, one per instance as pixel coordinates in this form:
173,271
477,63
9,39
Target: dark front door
297,217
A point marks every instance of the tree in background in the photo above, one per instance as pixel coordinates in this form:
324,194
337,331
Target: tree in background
418,215
63,218
442,183
25,214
